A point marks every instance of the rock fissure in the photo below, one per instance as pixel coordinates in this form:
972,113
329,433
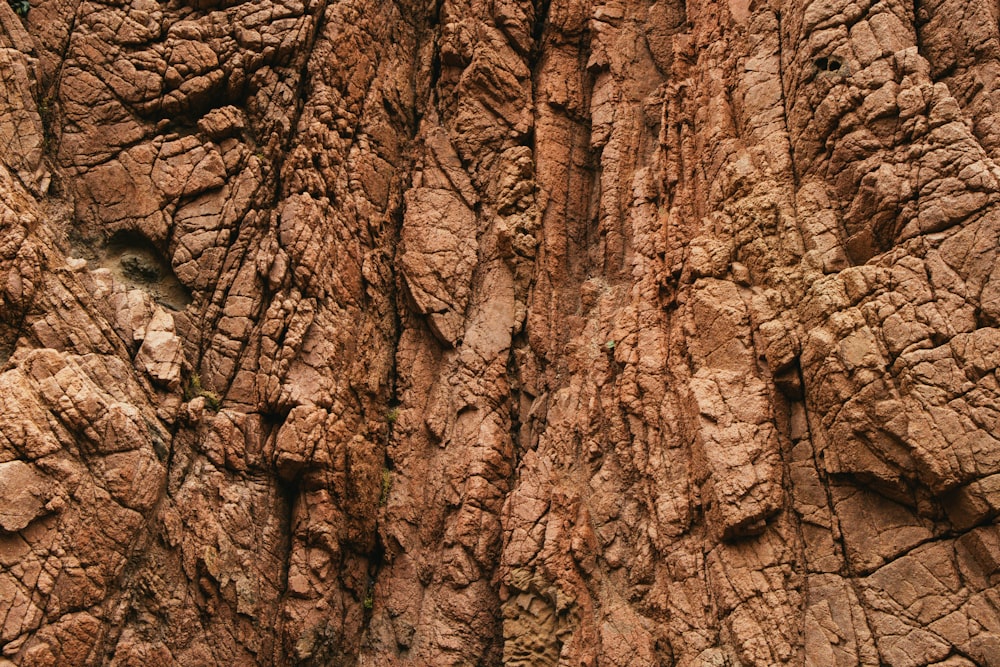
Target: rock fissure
467,332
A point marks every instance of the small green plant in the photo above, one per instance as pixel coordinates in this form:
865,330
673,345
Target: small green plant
192,387
383,497
609,346
212,400
369,600
194,390
392,415
20,7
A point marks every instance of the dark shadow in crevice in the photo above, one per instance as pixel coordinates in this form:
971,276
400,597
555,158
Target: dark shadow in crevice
827,64
134,261
830,65
8,342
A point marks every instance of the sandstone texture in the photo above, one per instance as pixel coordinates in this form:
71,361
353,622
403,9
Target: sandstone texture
599,333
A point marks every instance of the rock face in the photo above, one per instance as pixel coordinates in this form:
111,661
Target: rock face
481,332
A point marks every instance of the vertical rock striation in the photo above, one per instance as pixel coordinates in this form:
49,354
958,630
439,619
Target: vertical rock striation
481,332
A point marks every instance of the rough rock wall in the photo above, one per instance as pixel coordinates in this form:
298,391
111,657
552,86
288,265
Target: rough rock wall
480,332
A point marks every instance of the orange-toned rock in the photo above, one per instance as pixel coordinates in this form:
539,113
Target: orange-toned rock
581,332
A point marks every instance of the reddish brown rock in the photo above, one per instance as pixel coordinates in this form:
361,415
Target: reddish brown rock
534,333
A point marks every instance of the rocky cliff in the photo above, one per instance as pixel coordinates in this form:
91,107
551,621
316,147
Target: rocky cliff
481,332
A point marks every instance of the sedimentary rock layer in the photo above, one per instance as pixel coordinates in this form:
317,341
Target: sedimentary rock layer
481,332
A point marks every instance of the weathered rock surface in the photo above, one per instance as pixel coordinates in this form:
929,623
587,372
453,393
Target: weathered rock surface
480,332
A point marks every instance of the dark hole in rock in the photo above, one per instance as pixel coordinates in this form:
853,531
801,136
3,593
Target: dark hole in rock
827,64
135,261
139,268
